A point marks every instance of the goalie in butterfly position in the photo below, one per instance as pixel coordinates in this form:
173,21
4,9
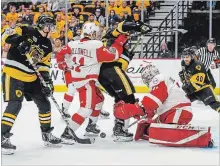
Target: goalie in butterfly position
167,113
196,82
19,80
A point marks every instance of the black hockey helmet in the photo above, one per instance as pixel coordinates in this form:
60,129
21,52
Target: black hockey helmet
211,40
45,19
188,51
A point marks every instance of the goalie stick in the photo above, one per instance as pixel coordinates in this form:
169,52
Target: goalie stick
77,139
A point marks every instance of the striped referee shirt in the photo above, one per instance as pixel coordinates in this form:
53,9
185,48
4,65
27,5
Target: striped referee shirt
206,57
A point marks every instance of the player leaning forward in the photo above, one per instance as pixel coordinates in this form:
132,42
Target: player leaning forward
19,80
84,59
168,113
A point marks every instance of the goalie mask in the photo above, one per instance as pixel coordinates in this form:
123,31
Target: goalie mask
149,73
91,31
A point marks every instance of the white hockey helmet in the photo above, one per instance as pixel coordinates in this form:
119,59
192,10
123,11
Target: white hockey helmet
149,73
90,30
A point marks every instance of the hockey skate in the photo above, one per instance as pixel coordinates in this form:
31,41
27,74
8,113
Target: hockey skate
104,114
66,115
67,137
121,135
7,147
91,130
49,139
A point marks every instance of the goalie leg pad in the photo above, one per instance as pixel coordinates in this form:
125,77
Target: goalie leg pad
142,130
179,135
125,111
181,116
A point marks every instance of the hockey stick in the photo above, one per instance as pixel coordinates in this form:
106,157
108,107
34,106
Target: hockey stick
77,139
143,117
183,31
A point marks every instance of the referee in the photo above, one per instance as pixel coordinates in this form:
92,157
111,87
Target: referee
207,55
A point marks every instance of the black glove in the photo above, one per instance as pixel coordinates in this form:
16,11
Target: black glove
143,27
25,46
182,78
186,88
49,89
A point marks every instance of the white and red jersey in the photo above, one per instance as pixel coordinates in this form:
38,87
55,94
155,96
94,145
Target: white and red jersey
83,58
165,94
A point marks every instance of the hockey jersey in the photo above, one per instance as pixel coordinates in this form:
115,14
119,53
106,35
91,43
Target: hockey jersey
165,94
83,58
17,65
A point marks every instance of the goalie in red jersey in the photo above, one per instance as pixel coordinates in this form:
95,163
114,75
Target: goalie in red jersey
168,113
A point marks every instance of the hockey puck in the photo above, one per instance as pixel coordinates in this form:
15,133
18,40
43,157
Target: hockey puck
102,135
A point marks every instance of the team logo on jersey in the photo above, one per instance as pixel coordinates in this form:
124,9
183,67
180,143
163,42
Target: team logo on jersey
198,67
18,93
34,39
155,81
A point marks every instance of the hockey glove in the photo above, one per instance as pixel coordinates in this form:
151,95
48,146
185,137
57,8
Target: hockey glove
62,66
182,78
143,27
49,88
186,88
121,40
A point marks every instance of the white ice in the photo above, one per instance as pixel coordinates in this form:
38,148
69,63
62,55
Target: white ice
31,150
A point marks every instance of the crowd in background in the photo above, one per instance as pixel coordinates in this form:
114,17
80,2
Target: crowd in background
16,13
205,5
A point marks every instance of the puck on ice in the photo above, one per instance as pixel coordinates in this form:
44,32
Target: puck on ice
102,135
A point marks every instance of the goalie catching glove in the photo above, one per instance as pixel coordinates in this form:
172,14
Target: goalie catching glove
47,90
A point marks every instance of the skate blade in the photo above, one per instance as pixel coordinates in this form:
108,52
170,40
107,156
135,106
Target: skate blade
8,151
90,134
48,144
68,141
122,139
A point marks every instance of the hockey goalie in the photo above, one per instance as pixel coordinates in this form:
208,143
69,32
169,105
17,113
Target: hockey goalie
167,114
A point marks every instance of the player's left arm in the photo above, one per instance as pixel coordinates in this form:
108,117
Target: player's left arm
155,98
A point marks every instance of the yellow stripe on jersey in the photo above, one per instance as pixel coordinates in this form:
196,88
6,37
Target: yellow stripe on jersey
9,115
7,123
47,59
19,75
124,80
7,87
124,63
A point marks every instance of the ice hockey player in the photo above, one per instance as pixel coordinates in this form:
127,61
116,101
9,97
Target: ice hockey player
68,96
114,79
83,58
167,113
19,80
196,82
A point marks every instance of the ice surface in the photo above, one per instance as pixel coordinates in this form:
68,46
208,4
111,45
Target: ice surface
31,151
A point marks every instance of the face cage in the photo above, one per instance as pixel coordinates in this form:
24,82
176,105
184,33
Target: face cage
146,78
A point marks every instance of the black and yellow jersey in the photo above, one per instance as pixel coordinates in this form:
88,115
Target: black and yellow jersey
17,65
124,59
196,75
